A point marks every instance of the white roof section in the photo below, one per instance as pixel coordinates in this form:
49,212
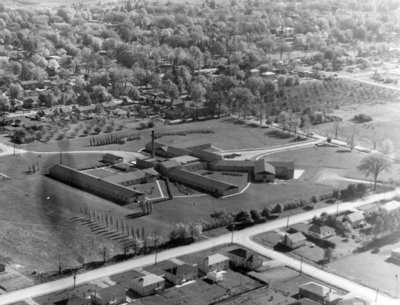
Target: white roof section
391,205
148,279
217,258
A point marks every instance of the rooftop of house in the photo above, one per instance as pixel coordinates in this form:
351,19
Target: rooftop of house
355,216
216,258
295,237
74,300
321,229
316,289
184,268
148,279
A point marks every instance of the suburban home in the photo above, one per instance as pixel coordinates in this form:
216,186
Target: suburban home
395,256
112,159
263,171
294,240
74,300
112,295
319,293
283,169
147,284
215,262
180,272
321,231
108,190
242,258
356,219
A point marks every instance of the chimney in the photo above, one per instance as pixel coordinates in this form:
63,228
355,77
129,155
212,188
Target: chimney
153,148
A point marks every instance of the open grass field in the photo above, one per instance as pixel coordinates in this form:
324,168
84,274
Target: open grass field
229,134
385,123
369,269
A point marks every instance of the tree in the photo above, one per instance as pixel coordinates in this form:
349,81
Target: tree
386,147
243,216
171,90
15,91
373,165
328,254
242,99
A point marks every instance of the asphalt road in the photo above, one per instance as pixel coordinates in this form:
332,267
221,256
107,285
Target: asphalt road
243,238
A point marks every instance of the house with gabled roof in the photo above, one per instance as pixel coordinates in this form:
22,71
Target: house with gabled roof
112,295
215,262
243,258
147,284
319,293
180,272
294,240
356,219
321,231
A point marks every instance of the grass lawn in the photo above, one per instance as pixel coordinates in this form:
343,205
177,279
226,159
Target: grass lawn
370,269
229,134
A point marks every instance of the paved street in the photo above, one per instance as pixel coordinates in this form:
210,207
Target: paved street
242,237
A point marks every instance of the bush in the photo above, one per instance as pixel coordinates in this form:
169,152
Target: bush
362,118
314,199
150,124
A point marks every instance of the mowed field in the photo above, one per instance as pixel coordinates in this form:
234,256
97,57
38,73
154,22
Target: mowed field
229,133
385,123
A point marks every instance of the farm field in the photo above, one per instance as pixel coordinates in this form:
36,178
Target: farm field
229,134
370,269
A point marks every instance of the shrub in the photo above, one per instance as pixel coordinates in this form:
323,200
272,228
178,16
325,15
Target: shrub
150,124
362,118
314,199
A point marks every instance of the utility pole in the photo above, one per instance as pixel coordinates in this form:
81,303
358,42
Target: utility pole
60,156
337,208
287,223
301,265
397,286
155,246
376,297
74,278
233,230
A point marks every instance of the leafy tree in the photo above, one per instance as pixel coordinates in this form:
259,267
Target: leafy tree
171,90
243,216
373,165
15,91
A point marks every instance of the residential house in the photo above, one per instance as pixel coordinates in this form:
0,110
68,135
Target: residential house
242,258
294,240
180,272
263,171
112,159
215,262
356,219
112,295
321,231
147,284
319,293
283,170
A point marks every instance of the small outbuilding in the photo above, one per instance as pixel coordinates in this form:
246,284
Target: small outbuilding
112,159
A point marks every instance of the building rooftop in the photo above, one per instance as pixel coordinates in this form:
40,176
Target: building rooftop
288,164
355,216
216,258
295,237
110,292
185,159
148,279
262,166
321,229
391,205
170,164
316,289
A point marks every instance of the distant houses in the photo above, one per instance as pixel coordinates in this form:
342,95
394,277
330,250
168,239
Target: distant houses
180,272
321,232
356,219
147,284
112,295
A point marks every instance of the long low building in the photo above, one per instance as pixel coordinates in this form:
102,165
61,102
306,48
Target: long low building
207,184
106,189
